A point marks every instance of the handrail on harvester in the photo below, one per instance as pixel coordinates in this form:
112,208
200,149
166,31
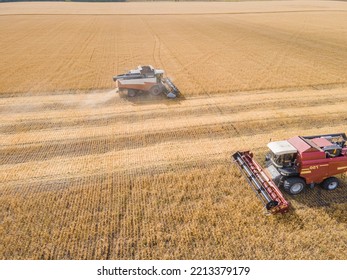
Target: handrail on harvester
264,187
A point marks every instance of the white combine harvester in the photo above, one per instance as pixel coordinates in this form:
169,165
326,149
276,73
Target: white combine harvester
146,79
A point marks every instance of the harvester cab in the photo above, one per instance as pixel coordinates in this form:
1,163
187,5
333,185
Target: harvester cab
294,164
146,79
281,160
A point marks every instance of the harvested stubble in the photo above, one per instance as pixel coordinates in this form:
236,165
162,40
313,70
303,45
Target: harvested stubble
77,185
91,175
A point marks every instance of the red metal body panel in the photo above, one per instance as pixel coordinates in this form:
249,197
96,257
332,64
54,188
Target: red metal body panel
314,165
314,171
145,87
314,155
299,144
321,142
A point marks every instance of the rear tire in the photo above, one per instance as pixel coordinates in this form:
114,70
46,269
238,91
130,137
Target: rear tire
294,185
156,90
330,183
132,92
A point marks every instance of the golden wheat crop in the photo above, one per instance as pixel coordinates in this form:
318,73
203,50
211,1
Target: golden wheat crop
88,174
204,53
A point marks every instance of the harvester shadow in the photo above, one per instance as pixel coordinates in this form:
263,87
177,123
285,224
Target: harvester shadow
323,199
146,98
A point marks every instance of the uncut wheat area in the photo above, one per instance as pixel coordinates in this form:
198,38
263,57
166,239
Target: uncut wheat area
88,173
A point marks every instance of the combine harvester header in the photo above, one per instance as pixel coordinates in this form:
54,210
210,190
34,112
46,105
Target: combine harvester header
264,187
293,164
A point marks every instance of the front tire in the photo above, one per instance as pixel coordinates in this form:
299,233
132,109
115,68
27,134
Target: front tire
156,90
294,185
131,92
330,183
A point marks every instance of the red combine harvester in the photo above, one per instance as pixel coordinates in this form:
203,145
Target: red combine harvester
293,164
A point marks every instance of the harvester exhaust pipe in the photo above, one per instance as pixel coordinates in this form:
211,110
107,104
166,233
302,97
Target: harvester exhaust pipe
264,187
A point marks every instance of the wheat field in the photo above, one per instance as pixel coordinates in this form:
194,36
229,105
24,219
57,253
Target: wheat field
87,173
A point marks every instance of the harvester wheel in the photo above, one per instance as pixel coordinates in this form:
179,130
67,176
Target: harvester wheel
294,185
330,183
131,92
156,90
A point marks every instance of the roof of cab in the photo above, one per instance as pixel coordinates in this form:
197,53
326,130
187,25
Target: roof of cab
281,148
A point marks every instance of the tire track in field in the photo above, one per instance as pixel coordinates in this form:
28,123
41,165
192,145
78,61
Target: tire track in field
83,146
162,124
147,127
315,198
114,118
